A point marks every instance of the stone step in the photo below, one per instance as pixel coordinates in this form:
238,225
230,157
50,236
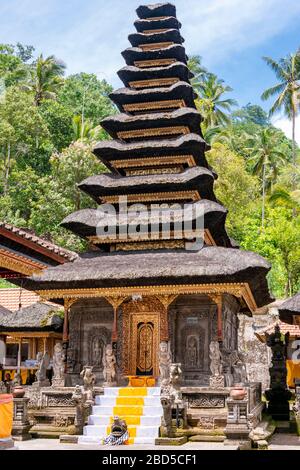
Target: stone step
108,400
86,440
130,420
131,391
126,410
134,431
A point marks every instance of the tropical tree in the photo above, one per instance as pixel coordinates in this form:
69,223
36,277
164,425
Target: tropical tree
85,131
199,71
87,96
45,78
265,159
211,103
287,90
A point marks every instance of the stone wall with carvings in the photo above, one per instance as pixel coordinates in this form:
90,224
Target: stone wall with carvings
192,324
256,354
90,328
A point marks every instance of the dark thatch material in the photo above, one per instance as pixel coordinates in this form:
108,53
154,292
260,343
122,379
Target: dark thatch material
209,265
189,117
176,51
178,91
90,222
289,308
4,311
197,178
176,70
190,144
171,35
158,9
170,22
36,317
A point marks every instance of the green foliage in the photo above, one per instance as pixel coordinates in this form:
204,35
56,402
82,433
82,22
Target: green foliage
87,96
251,113
58,120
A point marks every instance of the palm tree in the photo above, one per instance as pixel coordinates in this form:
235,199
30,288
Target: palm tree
266,159
200,72
46,78
85,131
287,90
211,104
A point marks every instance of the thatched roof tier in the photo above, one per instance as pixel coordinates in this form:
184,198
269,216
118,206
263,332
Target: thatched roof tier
136,55
169,22
4,311
37,317
190,145
209,265
197,179
176,71
180,91
156,10
180,121
289,308
171,35
91,222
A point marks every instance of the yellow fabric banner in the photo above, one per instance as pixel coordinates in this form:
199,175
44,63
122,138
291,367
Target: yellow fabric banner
293,370
6,416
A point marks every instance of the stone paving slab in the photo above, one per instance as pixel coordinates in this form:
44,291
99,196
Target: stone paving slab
284,442
54,444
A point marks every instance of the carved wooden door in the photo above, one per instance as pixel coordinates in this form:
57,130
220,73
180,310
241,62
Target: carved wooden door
144,344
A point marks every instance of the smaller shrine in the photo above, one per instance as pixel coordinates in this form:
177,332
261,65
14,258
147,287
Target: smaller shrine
25,334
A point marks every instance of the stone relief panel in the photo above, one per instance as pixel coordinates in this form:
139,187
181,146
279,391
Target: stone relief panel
90,329
190,329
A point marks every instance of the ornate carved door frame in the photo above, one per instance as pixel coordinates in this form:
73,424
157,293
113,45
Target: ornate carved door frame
148,309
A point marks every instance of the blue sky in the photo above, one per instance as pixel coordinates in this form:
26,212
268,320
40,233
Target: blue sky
230,35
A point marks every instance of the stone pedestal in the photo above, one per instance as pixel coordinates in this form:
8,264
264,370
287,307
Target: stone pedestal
217,381
237,429
278,406
21,424
57,383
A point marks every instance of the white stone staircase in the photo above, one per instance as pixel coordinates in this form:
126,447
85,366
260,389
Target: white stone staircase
139,406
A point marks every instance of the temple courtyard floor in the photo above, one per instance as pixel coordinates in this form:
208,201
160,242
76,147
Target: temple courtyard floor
278,442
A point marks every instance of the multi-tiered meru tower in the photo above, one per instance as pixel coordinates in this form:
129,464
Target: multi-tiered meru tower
139,286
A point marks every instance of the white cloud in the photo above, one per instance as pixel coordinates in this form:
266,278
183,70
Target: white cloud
286,126
90,35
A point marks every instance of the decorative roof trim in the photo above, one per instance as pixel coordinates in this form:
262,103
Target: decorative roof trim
239,290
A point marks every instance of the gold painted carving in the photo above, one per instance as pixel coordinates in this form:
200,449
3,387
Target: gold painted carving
155,171
164,104
97,239
154,82
153,31
135,312
154,46
154,63
171,244
157,197
19,264
240,290
156,131
156,161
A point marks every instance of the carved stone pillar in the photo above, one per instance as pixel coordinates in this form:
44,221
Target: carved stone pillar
21,424
217,298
